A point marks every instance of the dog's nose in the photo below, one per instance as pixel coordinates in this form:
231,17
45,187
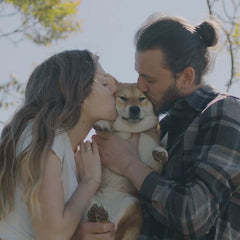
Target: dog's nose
134,111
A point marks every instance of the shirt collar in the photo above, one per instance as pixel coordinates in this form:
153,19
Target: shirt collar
200,98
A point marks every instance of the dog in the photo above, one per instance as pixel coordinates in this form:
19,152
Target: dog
116,199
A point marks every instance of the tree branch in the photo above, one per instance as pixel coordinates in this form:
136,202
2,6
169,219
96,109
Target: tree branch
230,81
209,7
20,29
10,33
9,14
228,34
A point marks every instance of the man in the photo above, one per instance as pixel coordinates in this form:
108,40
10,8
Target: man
198,194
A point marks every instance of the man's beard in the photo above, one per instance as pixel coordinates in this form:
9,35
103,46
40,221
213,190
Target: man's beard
167,100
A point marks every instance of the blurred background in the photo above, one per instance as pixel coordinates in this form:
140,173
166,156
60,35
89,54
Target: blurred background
31,31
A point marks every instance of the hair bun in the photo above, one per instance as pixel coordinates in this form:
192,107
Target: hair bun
208,33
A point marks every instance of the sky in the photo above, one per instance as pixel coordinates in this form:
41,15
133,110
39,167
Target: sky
107,29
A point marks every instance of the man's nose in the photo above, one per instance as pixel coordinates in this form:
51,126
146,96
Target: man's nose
141,85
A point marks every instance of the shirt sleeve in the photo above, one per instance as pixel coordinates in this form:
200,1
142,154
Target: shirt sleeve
212,185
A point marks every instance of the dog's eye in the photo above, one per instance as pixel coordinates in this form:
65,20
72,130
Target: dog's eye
142,99
123,98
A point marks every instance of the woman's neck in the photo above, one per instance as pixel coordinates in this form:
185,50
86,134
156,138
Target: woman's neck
80,131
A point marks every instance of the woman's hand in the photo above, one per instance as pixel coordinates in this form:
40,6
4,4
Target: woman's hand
88,163
95,231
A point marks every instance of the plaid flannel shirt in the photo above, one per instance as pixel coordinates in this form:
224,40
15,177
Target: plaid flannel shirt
198,194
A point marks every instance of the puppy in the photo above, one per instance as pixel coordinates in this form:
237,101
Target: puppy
116,199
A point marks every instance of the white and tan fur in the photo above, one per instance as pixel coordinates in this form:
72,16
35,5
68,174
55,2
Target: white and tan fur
117,194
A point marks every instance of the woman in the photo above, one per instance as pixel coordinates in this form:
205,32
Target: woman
47,174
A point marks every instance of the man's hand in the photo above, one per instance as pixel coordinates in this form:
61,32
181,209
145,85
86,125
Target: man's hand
95,231
121,156
117,154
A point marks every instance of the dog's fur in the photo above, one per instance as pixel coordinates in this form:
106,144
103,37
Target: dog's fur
117,194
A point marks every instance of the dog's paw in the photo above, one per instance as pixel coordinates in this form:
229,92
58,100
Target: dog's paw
160,154
102,126
97,214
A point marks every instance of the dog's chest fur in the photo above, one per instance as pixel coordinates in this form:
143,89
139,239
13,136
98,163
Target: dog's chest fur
116,193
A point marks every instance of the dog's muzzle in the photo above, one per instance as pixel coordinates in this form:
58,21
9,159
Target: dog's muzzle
134,114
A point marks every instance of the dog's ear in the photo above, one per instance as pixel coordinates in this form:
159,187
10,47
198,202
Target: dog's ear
114,80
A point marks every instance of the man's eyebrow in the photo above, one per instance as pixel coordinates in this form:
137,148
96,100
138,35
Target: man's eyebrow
145,75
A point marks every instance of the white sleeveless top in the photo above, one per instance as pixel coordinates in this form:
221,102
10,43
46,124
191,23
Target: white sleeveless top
17,225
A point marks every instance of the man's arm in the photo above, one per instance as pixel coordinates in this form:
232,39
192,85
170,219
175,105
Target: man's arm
192,206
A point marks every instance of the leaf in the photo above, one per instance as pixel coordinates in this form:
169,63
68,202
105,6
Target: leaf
236,31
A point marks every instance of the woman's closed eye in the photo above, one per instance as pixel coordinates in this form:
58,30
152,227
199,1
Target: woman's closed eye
105,81
102,79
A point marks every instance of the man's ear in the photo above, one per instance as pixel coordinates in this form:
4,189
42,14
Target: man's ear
186,78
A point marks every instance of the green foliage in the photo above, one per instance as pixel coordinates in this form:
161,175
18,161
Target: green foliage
42,21
47,20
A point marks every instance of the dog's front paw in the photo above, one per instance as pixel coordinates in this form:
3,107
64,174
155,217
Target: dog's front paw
102,126
97,214
160,154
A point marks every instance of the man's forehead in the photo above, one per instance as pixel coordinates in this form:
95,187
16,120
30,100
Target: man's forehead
149,59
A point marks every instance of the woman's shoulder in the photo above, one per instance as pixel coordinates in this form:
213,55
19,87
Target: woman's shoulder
61,145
